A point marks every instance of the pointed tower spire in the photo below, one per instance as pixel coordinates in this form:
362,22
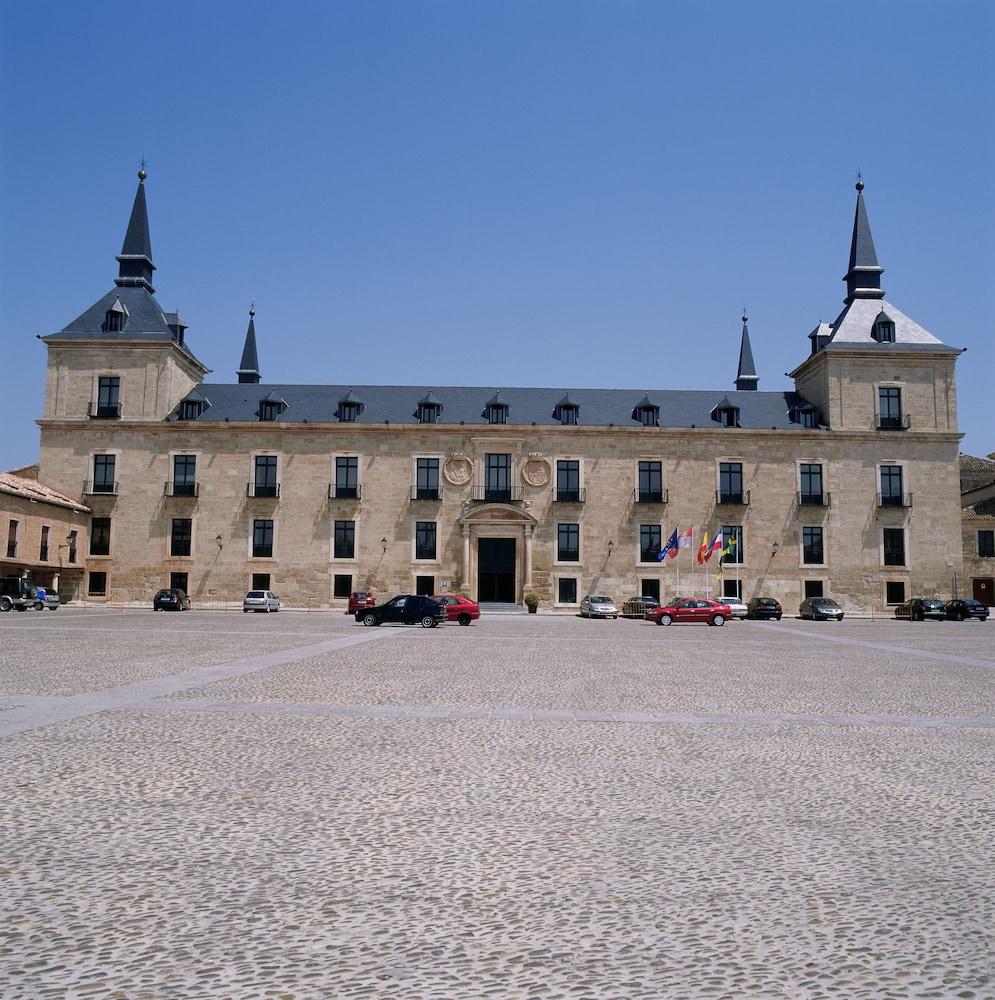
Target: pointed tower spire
135,258
863,278
746,375
248,369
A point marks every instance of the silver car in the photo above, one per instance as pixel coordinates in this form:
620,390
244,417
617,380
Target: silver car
595,606
260,600
737,607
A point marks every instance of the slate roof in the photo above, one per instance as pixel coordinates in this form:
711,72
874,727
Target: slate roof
747,370
137,242
317,404
855,323
862,253
249,365
30,489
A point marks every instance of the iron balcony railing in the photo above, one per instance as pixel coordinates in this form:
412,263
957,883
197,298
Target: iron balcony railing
426,492
336,492
727,499
270,491
814,499
889,423
92,489
175,489
491,494
650,496
894,500
105,411
570,496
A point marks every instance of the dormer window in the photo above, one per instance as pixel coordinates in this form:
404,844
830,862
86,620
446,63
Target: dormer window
349,408
428,413
727,416
884,329
647,413
115,317
808,416
566,411
270,410
496,413
190,409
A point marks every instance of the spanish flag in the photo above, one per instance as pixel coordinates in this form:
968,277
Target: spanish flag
703,548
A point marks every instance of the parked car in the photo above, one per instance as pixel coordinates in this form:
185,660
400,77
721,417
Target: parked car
598,606
969,608
690,610
820,609
47,599
360,599
764,607
171,599
736,606
405,609
260,600
637,607
16,592
458,608
918,609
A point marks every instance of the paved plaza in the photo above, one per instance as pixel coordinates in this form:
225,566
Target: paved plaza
222,805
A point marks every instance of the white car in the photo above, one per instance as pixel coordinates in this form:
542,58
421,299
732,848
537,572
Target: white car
260,600
594,606
736,605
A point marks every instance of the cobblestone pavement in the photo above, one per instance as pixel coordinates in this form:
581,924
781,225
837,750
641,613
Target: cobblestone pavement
218,805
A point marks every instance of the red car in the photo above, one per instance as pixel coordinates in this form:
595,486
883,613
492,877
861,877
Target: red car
360,600
692,609
459,609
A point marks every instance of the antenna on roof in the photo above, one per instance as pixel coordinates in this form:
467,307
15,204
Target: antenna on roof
860,180
141,170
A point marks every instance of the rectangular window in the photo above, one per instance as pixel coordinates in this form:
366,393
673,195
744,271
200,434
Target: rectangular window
650,482
733,533
260,581
986,544
649,542
649,588
568,480
43,547
425,585
732,587
894,592
425,539
96,584
347,477
893,540
103,473
566,590
730,482
810,483
345,539
108,396
342,585
12,539
891,486
568,542
100,536
71,539
813,588
889,408
497,477
180,536
262,539
427,479
265,476
812,553
184,475
179,581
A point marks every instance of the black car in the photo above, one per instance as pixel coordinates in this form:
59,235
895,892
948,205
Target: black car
171,599
962,610
918,609
764,607
17,592
405,609
820,609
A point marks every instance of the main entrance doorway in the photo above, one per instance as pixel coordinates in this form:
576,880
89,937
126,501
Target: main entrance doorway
496,570
984,590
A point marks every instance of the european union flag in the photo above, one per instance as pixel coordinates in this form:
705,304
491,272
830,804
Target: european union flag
670,548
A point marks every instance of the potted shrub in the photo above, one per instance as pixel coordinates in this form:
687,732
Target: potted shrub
532,602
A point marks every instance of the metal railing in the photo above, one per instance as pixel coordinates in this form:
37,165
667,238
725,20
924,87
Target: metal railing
174,489
887,423
92,489
650,496
814,499
488,494
105,411
336,492
570,496
426,492
739,499
260,490
894,499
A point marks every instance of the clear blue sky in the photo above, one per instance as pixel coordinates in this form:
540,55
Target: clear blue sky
498,193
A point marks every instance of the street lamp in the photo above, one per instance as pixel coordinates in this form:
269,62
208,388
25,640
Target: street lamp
383,544
611,545
220,541
774,549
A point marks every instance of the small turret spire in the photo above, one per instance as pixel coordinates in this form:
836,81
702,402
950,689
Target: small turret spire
863,277
746,375
248,369
135,265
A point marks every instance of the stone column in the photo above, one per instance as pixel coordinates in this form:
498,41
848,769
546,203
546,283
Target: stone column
466,558
528,556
